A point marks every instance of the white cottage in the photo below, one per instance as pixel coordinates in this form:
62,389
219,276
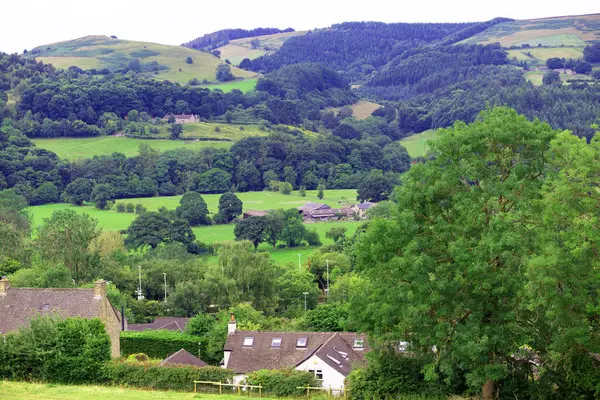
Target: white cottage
330,356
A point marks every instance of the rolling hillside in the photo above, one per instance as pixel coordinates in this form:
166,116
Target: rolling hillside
157,60
236,50
574,31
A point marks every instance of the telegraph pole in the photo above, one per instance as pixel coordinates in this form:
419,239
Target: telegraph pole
299,266
165,275
327,292
140,296
305,294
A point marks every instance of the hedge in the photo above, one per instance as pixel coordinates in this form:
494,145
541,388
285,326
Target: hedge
159,343
282,382
152,376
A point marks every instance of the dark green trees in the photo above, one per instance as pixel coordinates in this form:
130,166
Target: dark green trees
224,73
154,228
230,207
376,187
252,229
193,209
79,191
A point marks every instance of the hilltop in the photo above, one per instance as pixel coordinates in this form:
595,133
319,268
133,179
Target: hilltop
157,60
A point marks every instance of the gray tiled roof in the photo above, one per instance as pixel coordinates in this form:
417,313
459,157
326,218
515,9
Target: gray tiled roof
262,356
19,305
183,357
169,323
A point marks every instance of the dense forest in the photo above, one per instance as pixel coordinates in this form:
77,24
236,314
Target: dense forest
221,38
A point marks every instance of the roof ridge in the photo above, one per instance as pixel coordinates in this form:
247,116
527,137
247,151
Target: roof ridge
316,349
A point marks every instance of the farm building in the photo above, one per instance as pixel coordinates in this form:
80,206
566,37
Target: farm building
168,323
183,357
254,213
330,356
183,118
361,209
19,305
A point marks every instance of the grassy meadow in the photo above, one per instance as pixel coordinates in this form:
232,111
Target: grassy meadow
245,85
539,55
105,52
236,50
75,148
360,110
416,145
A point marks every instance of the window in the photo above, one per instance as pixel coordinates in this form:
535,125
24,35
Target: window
276,342
318,373
248,341
359,343
302,342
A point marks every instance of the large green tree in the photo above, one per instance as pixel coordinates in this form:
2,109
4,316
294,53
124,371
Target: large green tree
193,209
230,206
154,228
252,229
79,191
449,269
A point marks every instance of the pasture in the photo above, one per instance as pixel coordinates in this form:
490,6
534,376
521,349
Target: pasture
245,85
539,55
39,391
416,144
75,148
360,110
236,50
105,52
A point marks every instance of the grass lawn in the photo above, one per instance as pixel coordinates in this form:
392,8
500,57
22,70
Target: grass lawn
33,391
417,144
245,85
74,148
107,220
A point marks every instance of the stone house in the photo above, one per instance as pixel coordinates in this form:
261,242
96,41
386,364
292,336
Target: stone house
183,118
330,356
19,305
361,209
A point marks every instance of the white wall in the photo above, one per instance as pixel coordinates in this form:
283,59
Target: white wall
331,377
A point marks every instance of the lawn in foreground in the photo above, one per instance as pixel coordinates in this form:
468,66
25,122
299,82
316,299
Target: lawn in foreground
416,145
27,391
75,148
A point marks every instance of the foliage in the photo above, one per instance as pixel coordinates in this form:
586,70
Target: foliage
224,73
251,229
154,377
285,188
70,351
336,233
376,187
193,209
159,343
591,53
551,78
283,382
326,317
220,38
153,228
230,206
79,191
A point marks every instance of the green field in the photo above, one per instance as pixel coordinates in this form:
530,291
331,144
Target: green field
208,130
245,85
536,77
37,391
417,144
556,31
73,149
539,55
104,52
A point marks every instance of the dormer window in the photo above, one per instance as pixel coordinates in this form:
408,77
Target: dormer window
248,341
276,342
359,343
302,342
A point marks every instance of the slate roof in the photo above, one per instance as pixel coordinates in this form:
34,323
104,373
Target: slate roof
331,212
168,323
183,357
334,348
19,305
366,205
311,206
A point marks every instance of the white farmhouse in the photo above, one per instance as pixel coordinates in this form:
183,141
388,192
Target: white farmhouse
330,356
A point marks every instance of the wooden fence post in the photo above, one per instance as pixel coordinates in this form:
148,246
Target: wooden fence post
220,387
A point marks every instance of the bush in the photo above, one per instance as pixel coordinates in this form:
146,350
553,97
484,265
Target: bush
156,377
312,238
285,188
138,357
282,382
120,207
140,209
159,344
130,208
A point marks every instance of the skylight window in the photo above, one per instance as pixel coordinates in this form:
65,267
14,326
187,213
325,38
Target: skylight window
276,342
359,343
302,342
248,341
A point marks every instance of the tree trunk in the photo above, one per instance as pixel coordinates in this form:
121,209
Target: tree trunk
487,391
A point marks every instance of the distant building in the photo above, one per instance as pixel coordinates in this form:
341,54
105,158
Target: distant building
183,357
168,323
183,118
361,209
19,305
330,356
254,213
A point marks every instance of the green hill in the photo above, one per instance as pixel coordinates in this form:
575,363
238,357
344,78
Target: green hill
236,50
157,60
573,31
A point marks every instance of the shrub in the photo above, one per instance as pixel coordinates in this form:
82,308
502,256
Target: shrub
156,377
139,357
159,344
120,207
130,208
312,238
285,188
140,209
282,382
217,129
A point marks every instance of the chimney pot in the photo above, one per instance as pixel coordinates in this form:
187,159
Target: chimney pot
4,285
100,289
232,325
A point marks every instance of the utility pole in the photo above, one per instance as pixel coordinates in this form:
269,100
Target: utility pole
165,275
327,291
299,267
305,294
140,296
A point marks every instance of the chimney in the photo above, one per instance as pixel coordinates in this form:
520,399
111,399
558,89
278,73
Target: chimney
99,289
4,286
232,325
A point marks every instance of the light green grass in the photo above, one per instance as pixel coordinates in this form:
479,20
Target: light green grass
245,85
208,130
254,200
539,55
73,149
536,77
115,54
37,391
568,39
107,220
416,145
236,50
